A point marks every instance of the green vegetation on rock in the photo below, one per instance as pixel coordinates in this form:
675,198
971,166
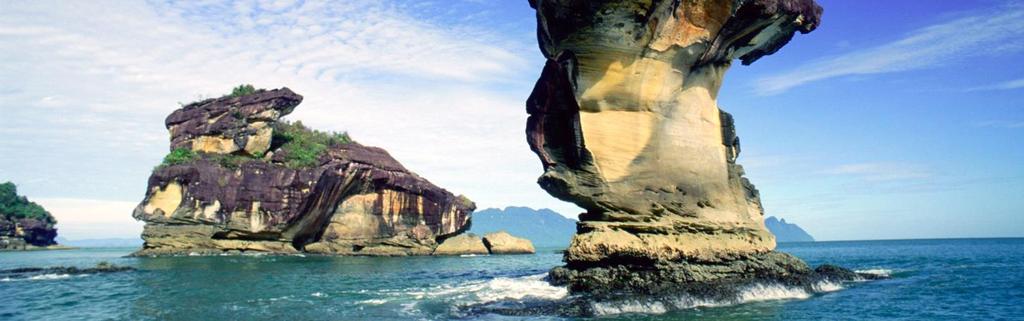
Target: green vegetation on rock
302,146
178,156
242,90
231,161
237,91
14,206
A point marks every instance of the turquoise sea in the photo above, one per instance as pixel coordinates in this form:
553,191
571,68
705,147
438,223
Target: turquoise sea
961,279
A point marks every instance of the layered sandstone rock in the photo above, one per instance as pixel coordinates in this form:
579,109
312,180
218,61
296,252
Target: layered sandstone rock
231,125
492,243
354,200
504,243
625,121
465,244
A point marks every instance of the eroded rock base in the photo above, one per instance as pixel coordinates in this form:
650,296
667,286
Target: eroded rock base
616,289
711,280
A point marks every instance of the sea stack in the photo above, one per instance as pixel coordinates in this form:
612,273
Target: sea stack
626,123
240,180
24,225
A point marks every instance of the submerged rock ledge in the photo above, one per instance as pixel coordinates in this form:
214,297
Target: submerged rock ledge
239,180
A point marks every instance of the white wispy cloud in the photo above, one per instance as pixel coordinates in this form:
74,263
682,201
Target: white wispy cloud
881,171
984,33
86,87
1006,85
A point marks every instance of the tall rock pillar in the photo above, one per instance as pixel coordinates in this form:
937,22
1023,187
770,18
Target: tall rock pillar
626,123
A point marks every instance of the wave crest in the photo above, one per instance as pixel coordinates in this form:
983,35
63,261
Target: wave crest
40,277
883,273
500,289
751,293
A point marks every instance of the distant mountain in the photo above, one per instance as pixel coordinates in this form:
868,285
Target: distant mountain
543,227
787,232
108,242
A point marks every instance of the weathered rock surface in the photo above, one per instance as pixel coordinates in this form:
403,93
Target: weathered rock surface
24,225
233,124
356,200
468,243
625,121
504,243
718,279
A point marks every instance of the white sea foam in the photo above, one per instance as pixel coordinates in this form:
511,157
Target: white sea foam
54,276
826,286
409,309
43,277
768,292
273,299
497,289
373,302
752,293
876,272
533,286
471,255
629,306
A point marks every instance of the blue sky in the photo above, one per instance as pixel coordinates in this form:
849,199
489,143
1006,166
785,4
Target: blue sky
895,119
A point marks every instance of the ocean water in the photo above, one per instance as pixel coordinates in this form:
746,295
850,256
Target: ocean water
964,279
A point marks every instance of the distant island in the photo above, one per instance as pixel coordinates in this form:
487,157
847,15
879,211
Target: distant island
786,232
24,225
101,242
544,227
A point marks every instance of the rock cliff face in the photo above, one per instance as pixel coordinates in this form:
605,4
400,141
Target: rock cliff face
625,121
241,190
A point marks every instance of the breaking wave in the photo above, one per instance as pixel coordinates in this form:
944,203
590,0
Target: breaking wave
534,289
884,273
373,302
752,293
499,289
41,277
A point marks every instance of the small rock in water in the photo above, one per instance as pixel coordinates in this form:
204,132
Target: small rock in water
25,273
